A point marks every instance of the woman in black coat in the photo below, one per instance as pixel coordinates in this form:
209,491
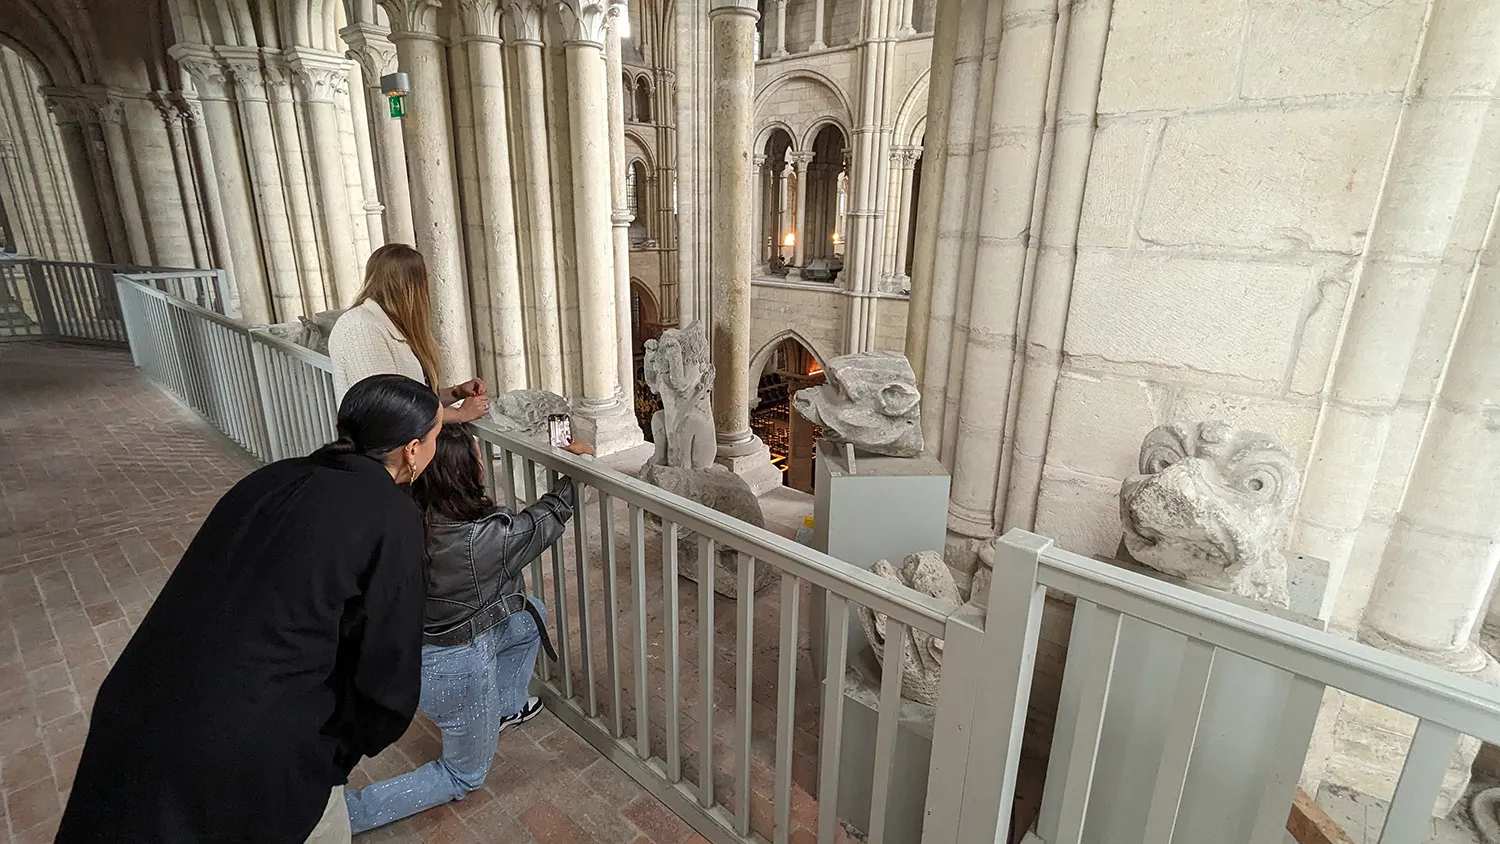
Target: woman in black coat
285,646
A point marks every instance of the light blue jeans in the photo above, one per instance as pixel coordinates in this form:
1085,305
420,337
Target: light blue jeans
466,690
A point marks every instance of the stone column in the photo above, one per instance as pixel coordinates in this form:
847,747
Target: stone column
732,34
112,117
863,228
695,158
906,160
272,218
221,158
172,120
780,30
321,75
212,199
757,213
544,332
818,29
481,26
75,127
359,116
372,48
800,160
620,215
434,178
1442,126
904,24
605,415
319,291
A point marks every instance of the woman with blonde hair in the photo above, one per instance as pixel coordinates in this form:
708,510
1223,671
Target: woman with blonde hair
388,331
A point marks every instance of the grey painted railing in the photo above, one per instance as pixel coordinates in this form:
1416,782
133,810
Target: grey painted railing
68,300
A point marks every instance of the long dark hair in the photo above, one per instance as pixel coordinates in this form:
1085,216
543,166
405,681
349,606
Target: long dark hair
381,414
452,487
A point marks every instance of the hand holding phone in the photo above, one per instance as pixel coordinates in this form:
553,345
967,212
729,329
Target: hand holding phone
560,430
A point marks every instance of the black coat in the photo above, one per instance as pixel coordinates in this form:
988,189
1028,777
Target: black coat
286,644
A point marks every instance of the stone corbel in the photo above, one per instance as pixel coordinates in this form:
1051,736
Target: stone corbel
70,106
413,18
166,107
587,22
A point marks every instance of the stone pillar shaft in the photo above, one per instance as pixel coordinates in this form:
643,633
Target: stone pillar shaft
801,160
818,27
372,48
757,214
222,255
172,121
780,30
316,284
320,82
908,160
492,136
589,126
546,326
434,187
125,187
620,216
359,115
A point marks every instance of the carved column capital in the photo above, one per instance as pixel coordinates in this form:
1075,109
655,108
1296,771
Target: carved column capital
278,76
413,18
190,107
523,22
70,106
800,160
905,157
166,106
480,19
370,46
321,75
587,22
245,71
204,67
757,162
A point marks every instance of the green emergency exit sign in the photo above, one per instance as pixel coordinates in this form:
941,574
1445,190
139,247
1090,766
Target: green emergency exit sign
398,105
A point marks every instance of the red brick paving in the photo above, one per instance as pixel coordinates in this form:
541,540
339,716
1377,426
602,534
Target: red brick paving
105,482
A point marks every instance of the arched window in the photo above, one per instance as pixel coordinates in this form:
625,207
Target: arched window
632,201
643,100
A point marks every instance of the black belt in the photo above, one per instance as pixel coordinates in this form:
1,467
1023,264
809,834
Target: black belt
470,628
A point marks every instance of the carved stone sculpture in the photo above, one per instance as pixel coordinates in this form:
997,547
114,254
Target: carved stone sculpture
525,411
922,667
718,489
677,369
1209,506
871,401
315,331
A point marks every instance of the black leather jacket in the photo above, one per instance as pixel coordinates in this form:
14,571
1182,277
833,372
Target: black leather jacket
475,564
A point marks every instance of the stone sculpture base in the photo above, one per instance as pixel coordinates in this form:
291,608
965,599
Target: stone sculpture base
609,429
906,798
717,489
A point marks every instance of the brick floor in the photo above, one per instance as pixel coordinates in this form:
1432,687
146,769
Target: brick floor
105,481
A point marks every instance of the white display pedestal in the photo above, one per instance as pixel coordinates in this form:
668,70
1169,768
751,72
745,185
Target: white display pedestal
907,795
892,507
1252,737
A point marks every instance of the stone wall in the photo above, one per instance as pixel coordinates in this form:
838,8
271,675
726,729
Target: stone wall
1233,176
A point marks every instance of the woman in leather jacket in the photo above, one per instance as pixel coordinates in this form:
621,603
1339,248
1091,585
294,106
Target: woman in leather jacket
481,631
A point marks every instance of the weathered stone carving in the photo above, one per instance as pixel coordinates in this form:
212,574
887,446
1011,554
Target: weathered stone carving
719,489
678,369
1209,506
526,411
922,667
871,401
315,331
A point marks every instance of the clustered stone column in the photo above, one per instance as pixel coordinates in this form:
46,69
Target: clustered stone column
525,18
732,35
322,76
82,142
870,182
620,216
481,22
800,160
605,416
48,220
434,188
371,46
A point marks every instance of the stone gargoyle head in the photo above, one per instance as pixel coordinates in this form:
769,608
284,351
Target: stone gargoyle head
870,401
1208,506
315,331
526,411
678,361
922,667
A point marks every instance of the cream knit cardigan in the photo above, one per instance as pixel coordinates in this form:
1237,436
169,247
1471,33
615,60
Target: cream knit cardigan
365,342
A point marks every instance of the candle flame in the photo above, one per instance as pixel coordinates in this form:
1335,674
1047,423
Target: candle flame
790,239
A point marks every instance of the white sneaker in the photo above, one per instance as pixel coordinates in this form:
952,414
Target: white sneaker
532,709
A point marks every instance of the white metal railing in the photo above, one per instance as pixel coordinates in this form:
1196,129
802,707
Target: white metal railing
1027,569
70,300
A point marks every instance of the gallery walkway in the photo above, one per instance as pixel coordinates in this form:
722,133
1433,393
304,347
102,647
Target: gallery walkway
105,480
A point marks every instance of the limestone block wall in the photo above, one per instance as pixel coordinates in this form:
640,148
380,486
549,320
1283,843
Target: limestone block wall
1232,180
814,313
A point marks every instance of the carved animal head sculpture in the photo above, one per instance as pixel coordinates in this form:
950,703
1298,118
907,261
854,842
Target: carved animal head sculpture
315,331
1208,507
922,668
678,362
871,401
526,411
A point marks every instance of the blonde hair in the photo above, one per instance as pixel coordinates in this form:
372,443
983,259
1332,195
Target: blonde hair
396,280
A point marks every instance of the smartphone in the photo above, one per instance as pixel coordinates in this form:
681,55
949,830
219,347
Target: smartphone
560,430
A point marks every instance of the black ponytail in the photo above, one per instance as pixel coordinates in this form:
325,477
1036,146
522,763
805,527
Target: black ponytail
381,414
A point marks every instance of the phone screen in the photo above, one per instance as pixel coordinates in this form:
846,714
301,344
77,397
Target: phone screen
560,430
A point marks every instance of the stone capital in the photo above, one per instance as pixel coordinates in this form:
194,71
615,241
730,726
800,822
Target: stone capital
166,106
480,18
204,67
758,161
748,8
587,22
523,20
370,46
800,160
412,18
70,106
905,157
191,108
245,70
321,75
